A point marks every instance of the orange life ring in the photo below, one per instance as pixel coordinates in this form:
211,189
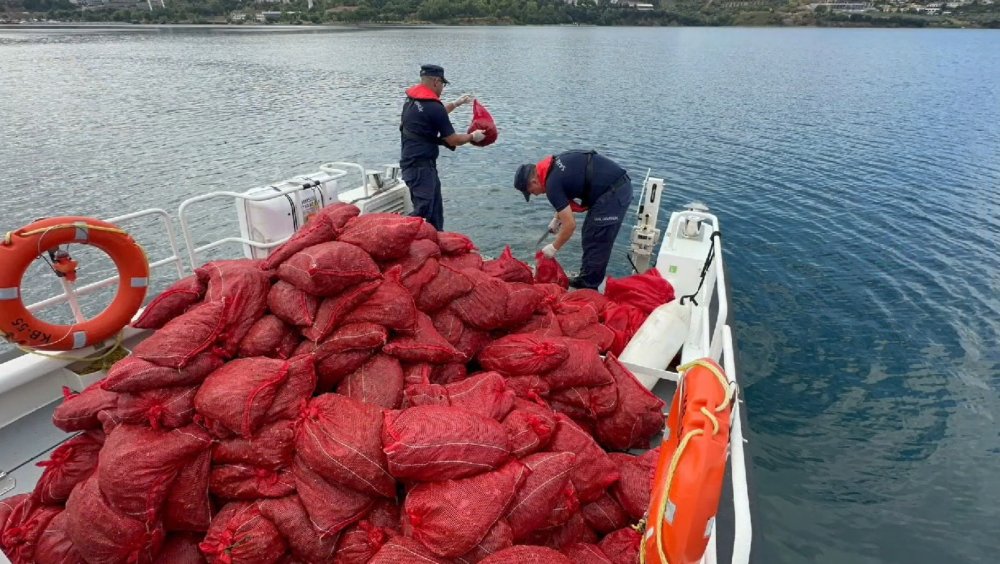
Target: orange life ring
687,483
19,248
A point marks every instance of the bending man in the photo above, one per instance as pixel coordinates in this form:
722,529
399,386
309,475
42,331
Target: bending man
425,126
581,181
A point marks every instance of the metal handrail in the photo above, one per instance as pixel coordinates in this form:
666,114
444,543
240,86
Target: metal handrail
331,168
72,293
262,197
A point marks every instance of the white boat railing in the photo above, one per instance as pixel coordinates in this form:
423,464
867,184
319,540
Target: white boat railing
72,293
743,525
185,222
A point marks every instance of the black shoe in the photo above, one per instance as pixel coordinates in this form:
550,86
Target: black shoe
576,282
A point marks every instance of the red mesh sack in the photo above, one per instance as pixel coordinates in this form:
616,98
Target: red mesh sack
399,549
334,309
448,285
624,321
593,471
586,296
530,427
421,251
454,243
639,415
473,341
25,525
323,226
174,301
463,261
138,465
163,408
452,517
416,282
574,318
523,355
417,374
574,531
54,545
349,337
646,291
133,374
340,439
332,369
378,382
384,236
180,549
553,292
535,499
425,344
428,232
485,307
71,463
306,542
549,271
431,442
359,543
385,514
449,373
328,268
78,412
291,305
633,489
297,388
391,305
187,507
604,515
7,507
522,302
425,394
528,387
183,338
595,402
622,546
524,554
241,535
585,553
486,394
598,334
239,482
243,286
331,507
271,446
508,268
448,325
498,538
239,395
100,533
583,366
481,119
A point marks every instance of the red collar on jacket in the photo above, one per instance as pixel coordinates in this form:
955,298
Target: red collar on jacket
421,92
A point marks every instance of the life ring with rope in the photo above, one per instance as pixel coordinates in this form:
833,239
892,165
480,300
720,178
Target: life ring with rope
20,248
687,483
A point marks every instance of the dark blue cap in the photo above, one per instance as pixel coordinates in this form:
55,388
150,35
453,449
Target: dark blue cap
521,178
433,70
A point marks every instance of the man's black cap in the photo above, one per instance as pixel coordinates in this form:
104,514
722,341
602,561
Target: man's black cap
433,70
521,179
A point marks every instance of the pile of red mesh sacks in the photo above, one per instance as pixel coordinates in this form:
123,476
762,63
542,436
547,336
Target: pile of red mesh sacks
374,391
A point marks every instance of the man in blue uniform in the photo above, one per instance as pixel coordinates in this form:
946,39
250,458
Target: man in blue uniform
424,127
581,181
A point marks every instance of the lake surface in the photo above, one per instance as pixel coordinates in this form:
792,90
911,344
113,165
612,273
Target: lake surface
856,173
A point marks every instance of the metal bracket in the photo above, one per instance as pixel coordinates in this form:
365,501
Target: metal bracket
7,483
647,371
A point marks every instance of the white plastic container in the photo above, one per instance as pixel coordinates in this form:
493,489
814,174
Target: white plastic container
275,219
659,339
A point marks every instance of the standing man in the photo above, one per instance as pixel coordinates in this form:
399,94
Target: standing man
581,181
424,126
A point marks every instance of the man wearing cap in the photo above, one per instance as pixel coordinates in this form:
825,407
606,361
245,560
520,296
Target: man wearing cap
424,127
581,181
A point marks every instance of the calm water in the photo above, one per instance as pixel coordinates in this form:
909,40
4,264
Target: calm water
856,172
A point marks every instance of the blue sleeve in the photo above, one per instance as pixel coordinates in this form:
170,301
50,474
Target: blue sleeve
440,121
556,194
